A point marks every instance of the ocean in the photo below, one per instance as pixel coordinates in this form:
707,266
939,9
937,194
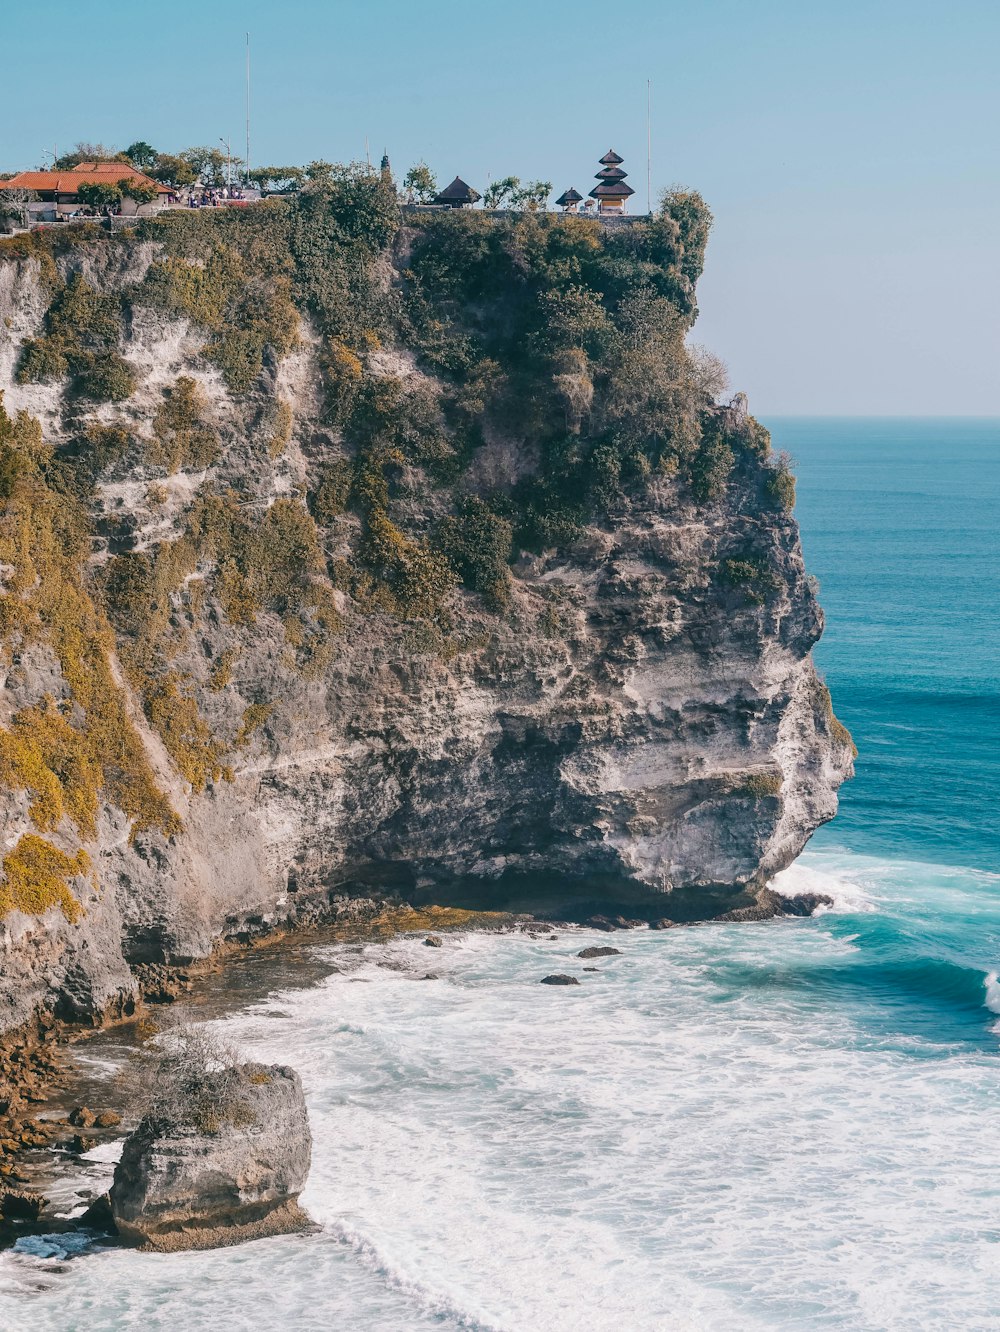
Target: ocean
786,1125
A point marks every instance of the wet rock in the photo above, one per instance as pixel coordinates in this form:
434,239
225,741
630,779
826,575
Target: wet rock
82,1117
80,1143
107,1119
185,1186
609,923
596,951
601,923
591,968
98,1216
560,978
432,941
803,904
769,904
20,1205
664,924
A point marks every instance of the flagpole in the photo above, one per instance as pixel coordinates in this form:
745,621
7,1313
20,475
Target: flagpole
247,164
649,148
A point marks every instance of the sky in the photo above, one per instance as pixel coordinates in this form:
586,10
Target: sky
849,150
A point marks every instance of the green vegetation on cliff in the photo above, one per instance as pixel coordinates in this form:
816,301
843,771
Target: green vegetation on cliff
71,752
491,385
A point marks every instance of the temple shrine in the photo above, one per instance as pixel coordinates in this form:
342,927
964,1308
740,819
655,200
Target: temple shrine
611,192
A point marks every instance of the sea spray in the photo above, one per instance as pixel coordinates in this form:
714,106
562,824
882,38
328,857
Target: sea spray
733,1125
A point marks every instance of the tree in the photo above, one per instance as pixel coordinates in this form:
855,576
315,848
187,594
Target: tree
533,195
277,178
142,155
501,192
420,183
140,191
12,206
212,165
86,152
99,194
319,170
694,219
173,170
709,375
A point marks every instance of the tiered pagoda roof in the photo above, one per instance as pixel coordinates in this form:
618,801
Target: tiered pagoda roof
611,179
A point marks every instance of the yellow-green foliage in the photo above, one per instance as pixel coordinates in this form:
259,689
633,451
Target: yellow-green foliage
838,731
36,877
50,758
281,429
333,491
82,332
408,578
342,373
478,543
758,785
242,315
254,564
222,671
253,719
261,562
779,482
68,762
752,576
185,733
100,446
413,579
105,376
36,245
181,437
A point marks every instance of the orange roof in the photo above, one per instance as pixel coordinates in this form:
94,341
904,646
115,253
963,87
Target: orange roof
68,182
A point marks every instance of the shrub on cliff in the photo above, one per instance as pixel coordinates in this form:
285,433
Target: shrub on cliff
779,483
181,434
190,1078
478,543
82,335
751,575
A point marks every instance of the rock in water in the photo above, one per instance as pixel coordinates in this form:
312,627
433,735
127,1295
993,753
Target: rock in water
234,1177
560,978
599,952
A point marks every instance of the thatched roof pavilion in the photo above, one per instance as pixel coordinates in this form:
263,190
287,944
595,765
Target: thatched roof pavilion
457,195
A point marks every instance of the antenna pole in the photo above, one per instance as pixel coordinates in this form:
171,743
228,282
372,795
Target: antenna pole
246,167
649,148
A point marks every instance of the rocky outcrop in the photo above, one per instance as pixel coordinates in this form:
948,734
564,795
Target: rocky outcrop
203,1186
641,730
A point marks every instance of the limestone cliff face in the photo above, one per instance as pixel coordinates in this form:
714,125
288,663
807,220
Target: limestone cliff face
636,723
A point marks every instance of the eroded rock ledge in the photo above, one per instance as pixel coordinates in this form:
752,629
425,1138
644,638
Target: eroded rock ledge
236,1176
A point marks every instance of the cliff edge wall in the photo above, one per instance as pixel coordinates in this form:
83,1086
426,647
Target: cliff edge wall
346,558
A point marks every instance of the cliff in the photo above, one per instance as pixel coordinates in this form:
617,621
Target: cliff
350,555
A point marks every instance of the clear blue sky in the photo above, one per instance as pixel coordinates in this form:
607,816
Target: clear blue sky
849,150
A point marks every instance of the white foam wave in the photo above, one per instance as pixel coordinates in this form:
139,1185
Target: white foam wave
992,987
436,1305
848,894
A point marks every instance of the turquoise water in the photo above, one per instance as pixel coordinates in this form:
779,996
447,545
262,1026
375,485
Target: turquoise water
901,524
790,1125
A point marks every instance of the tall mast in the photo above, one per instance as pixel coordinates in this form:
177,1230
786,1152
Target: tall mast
246,167
649,147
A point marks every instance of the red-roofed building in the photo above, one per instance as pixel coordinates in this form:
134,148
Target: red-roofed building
62,186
